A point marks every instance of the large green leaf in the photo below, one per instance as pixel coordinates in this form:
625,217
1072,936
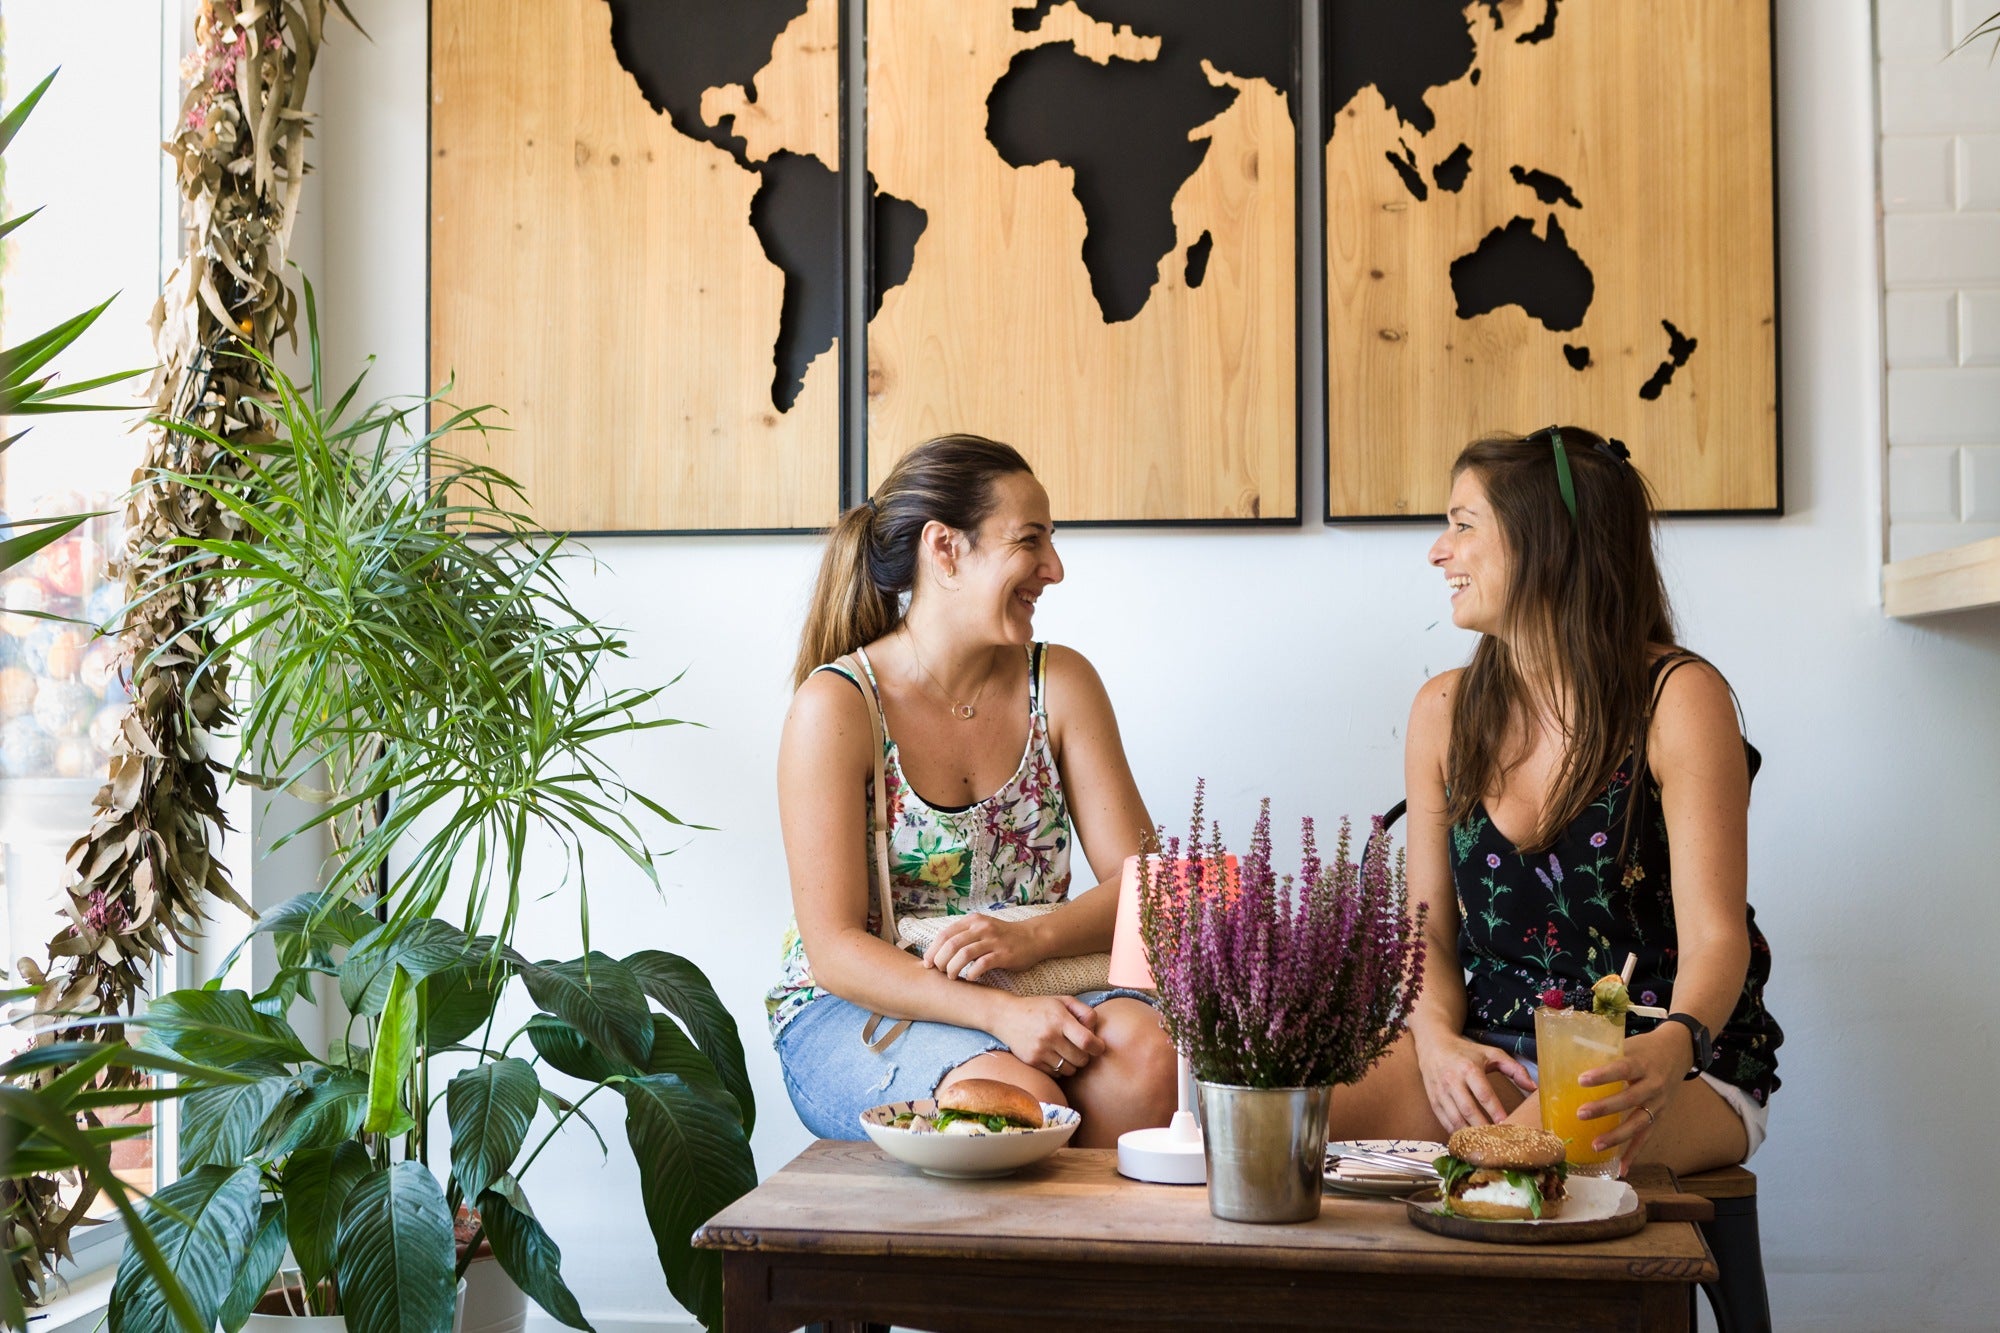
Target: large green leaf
261,1265
203,1224
673,1053
599,997
693,1162
306,928
317,1183
491,1106
395,1051
420,947
526,1253
393,1254
565,1049
216,1027
224,1124
459,1000
330,1110
682,988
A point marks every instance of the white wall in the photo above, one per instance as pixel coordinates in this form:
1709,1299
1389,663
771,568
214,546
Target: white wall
1282,663
1940,119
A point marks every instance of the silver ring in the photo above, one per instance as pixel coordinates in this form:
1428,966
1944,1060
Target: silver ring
1060,1062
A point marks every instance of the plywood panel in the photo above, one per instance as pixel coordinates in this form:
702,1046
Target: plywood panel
594,265
1642,135
1151,376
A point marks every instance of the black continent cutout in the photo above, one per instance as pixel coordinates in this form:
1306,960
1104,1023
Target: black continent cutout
1450,174
1122,127
1406,167
1548,187
1514,266
677,49
1197,260
1578,357
1679,348
1404,48
1543,30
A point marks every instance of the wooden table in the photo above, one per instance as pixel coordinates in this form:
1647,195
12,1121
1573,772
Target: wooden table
846,1233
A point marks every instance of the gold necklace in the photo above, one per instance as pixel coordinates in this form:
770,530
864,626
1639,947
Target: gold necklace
963,712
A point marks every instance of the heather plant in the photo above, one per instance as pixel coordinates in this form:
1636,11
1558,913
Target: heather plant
1280,982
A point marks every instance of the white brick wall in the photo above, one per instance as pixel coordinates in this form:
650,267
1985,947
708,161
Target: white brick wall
1940,127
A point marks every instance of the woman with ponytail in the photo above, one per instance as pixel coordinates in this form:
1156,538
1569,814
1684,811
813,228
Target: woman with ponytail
993,744
1579,793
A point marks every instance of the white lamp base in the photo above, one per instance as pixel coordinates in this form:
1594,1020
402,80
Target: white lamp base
1169,1156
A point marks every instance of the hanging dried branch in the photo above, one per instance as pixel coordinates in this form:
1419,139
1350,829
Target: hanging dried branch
141,872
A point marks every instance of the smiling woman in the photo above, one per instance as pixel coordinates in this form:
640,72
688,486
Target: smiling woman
989,742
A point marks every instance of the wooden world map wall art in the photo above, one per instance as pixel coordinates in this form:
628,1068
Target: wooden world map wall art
1550,211
636,236
1086,246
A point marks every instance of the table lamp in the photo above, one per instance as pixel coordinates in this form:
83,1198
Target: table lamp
1171,1155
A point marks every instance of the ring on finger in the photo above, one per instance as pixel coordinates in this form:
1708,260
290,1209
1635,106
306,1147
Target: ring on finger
1651,1119
1060,1062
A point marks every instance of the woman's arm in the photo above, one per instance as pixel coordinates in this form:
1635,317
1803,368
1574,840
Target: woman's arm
1110,821
825,759
1454,1068
1696,755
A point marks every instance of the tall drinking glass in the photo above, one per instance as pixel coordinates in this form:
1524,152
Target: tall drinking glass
1568,1042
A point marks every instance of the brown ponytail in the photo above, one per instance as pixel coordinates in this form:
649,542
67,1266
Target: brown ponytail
871,552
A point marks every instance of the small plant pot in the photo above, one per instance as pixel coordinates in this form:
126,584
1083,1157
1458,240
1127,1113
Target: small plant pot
1266,1150
489,1301
273,1315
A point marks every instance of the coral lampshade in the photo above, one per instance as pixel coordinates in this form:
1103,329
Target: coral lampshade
1128,946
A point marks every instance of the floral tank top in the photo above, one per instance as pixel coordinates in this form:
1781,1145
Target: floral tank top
1010,849
1569,914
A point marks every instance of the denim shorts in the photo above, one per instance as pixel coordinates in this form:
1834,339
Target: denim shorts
833,1077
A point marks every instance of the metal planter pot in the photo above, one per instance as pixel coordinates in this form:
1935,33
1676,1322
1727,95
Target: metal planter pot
1266,1151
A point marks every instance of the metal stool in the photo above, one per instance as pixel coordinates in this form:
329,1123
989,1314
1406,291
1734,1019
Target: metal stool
1738,1296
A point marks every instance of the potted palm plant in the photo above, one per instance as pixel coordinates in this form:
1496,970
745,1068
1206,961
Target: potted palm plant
300,1153
1277,990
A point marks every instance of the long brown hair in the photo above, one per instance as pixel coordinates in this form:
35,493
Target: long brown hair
871,553
1584,602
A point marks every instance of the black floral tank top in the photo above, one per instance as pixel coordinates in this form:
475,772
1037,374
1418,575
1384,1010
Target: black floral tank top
1566,916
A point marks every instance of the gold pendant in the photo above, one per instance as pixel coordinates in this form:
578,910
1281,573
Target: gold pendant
964,711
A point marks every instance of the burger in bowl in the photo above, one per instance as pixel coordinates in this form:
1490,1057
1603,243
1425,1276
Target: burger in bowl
1502,1173
975,1106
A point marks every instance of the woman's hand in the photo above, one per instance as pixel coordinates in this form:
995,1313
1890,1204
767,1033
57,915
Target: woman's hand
1055,1033
970,946
1652,1069
1455,1069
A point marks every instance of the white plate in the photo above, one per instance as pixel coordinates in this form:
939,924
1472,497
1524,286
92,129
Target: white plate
1359,1177
966,1156
1588,1199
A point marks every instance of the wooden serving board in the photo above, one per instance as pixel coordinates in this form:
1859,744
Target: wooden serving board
1555,1232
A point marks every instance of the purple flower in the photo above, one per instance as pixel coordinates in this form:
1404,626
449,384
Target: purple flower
1647,997
1598,839
1492,860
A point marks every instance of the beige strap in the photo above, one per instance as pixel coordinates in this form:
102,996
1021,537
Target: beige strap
878,827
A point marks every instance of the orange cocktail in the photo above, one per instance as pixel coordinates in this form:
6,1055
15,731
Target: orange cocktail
1567,1043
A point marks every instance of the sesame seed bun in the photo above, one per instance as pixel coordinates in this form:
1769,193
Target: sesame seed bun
988,1096
1506,1147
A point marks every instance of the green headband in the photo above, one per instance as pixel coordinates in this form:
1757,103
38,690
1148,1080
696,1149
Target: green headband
1564,482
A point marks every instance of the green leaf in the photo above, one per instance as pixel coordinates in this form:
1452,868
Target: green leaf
395,1051
421,947
393,1254
459,1000
11,124
673,1053
490,1106
216,1028
526,1253
331,1110
317,1183
306,928
16,550
685,992
254,1278
223,1125
599,997
203,1224
693,1162
565,1049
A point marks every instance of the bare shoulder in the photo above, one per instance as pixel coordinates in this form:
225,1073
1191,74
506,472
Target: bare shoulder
829,716
1694,717
1430,712
1071,679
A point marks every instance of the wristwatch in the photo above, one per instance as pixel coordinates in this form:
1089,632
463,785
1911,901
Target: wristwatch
1704,1046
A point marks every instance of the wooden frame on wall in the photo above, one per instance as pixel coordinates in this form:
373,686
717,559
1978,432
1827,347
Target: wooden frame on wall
1551,211
671,221
1084,241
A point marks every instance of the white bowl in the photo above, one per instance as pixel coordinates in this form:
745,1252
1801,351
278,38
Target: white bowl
966,1156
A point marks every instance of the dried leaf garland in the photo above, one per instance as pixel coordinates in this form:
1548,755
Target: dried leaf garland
143,869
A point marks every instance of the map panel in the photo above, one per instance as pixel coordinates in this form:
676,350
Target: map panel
636,251
1550,211
1106,275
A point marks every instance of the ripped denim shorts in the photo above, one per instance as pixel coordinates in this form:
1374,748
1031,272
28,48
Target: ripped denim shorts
832,1077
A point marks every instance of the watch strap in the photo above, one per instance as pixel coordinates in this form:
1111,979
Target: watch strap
1704,1045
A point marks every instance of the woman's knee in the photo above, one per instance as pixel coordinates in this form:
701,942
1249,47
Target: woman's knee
1009,1068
